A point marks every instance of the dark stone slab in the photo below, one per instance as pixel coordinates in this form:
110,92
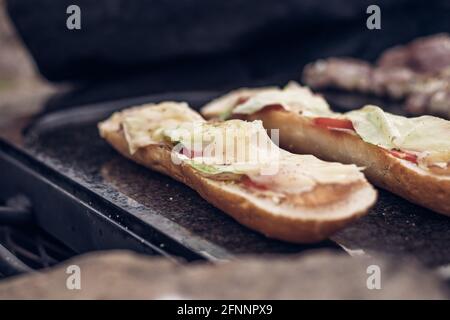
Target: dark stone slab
68,142
394,227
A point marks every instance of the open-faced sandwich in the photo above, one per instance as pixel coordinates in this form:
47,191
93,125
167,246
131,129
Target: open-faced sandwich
235,166
408,156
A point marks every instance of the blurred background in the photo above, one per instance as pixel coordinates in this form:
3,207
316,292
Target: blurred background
21,85
129,48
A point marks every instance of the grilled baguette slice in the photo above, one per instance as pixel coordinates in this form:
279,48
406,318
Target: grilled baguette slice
322,211
299,134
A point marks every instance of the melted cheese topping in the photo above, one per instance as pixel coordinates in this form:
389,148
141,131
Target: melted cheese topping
292,98
225,104
421,134
228,150
145,125
298,174
242,147
426,136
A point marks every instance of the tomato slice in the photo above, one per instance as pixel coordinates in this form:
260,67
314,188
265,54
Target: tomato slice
241,100
190,153
331,123
404,155
269,107
253,185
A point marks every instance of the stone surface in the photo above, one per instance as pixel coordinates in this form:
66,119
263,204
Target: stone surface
154,199
318,275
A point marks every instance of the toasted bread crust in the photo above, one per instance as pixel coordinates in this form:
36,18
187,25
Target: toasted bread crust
299,226
299,135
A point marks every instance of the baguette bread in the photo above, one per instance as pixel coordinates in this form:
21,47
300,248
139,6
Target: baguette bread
300,133
312,216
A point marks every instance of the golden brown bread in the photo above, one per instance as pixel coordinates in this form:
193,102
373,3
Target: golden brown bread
318,213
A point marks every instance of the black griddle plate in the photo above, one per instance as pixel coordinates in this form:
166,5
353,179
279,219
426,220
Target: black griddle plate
149,203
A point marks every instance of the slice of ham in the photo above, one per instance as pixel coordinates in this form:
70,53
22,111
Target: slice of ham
332,123
404,155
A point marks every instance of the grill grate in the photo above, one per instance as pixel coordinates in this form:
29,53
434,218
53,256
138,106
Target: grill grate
33,246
